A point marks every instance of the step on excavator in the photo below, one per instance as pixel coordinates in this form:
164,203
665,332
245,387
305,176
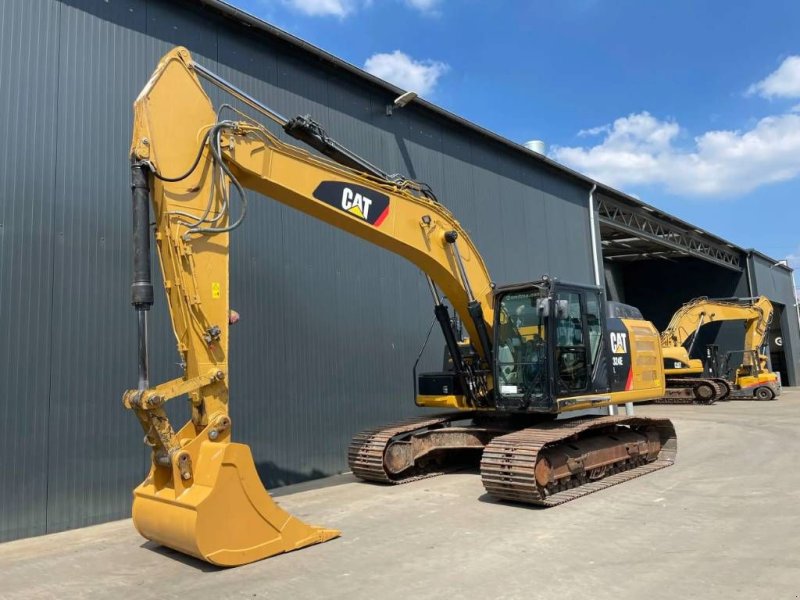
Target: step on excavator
747,377
535,351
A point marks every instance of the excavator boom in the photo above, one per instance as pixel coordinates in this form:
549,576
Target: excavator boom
755,312
393,213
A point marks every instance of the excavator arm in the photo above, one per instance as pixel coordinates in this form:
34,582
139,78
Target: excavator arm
757,325
685,323
195,166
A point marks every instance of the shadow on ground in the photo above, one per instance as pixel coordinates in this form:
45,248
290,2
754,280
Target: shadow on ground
189,561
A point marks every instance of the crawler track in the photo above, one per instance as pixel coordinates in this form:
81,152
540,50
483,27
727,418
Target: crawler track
365,454
690,390
509,461
727,388
510,456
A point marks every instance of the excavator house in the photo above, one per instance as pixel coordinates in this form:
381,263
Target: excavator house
535,351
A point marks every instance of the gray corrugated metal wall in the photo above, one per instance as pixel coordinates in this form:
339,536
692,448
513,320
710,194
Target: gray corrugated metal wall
28,70
330,324
775,282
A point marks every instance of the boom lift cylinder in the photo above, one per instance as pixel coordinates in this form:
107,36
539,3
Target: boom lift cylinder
474,307
443,317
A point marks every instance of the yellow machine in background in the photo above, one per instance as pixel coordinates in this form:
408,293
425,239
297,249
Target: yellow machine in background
750,377
535,350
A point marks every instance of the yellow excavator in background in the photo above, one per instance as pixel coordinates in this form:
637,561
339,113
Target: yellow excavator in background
535,350
748,378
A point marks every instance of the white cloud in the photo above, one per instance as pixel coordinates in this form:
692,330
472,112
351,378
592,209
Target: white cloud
424,6
343,8
323,8
781,83
641,149
593,131
420,76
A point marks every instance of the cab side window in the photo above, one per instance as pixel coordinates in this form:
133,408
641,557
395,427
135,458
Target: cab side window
572,349
594,326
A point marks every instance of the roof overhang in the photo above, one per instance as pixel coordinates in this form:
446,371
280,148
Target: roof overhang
632,232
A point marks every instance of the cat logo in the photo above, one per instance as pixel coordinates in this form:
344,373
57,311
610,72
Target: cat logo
355,203
364,203
619,342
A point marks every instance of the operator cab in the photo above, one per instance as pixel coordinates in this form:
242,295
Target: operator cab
548,339
555,347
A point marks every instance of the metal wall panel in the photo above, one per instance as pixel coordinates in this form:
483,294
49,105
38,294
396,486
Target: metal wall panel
28,83
331,325
776,283
314,288
93,456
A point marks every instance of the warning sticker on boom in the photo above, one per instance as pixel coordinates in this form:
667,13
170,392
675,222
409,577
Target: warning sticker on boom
361,202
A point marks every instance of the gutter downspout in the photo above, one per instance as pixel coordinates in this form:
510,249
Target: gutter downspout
592,225
796,299
612,409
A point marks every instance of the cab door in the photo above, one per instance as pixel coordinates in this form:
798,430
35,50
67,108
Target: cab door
580,365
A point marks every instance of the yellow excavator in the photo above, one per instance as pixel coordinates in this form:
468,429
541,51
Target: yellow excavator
535,350
749,377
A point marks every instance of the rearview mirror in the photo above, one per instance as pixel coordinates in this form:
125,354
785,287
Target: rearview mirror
562,309
543,306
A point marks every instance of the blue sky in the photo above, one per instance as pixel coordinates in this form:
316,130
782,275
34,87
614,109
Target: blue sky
692,106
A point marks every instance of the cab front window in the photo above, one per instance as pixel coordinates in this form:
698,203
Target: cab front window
522,345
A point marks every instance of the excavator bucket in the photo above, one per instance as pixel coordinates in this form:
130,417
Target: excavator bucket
222,514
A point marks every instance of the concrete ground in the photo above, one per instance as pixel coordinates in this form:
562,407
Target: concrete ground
724,522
